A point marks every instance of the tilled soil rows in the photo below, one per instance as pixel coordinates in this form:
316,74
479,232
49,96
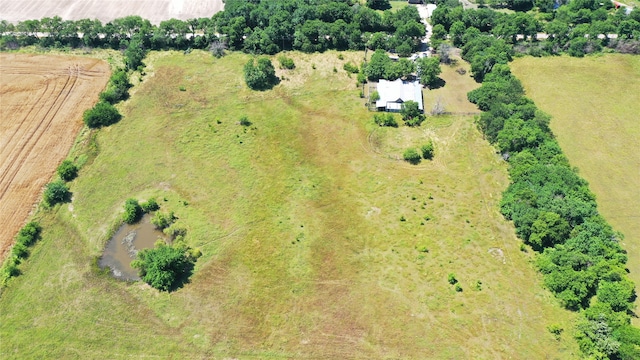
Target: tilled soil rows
42,99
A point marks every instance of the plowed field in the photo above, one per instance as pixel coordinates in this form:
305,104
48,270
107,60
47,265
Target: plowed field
42,99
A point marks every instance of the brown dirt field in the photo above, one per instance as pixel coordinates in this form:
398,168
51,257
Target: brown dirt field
42,99
108,10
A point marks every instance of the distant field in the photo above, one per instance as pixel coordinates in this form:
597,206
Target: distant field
43,98
595,103
317,242
108,10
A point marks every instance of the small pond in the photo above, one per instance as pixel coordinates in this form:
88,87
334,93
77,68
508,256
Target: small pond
123,247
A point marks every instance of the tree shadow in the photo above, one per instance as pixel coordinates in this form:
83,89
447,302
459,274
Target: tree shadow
437,84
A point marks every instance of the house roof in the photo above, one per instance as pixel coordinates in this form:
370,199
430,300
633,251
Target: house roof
398,92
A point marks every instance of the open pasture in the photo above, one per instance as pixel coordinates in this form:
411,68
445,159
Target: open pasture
318,243
43,98
108,10
595,103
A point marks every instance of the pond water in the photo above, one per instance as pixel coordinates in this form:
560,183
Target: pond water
123,247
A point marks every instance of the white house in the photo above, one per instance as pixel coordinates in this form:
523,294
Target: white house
394,93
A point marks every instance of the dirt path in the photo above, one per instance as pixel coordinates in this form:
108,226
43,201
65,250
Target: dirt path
43,98
108,10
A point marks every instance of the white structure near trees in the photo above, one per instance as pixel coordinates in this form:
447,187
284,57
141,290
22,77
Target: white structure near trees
394,93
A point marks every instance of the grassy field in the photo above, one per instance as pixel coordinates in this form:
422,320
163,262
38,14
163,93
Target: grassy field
299,217
595,105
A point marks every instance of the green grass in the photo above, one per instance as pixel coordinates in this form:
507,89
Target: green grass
595,107
298,218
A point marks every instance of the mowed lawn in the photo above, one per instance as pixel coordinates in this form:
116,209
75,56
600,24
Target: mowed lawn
595,103
317,241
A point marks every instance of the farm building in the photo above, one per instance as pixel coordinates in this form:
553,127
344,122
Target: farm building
394,93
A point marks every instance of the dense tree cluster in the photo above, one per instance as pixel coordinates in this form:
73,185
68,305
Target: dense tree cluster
577,27
556,214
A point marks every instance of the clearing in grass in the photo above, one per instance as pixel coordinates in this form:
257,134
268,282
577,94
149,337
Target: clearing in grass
594,106
317,239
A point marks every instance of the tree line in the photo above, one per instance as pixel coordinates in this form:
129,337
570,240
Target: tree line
553,210
577,27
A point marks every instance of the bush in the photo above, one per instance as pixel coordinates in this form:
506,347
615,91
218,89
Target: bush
385,120
244,121
103,114
411,156
20,251
150,205
164,267
132,211
260,75
427,150
351,68
67,170
162,220
451,278
286,62
118,87
29,234
411,113
56,192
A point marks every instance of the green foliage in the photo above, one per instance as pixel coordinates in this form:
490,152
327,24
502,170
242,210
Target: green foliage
150,205
164,267
134,53
29,234
427,150
618,294
286,62
379,4
132,211
377,66
428,70
411,113
67,170
244,121
375,96
260,74
556,330
458,288
162,220
351,68
451,278
118,87
386,119
56,192
103,114
411,156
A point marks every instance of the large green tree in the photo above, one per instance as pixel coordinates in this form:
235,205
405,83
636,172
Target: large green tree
164,267
428,70
260,74
103,114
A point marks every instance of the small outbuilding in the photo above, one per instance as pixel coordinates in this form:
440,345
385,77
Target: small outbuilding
394,93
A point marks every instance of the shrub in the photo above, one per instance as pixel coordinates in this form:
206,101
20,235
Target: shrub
411,113
451,278
67,170
132,211
244,121
411,155
351,68
164,267
162,220
150,205
103,114
117,89
427,150
458,288
385,120
375,96
56,192
29,234
20,251
260,75
286,62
